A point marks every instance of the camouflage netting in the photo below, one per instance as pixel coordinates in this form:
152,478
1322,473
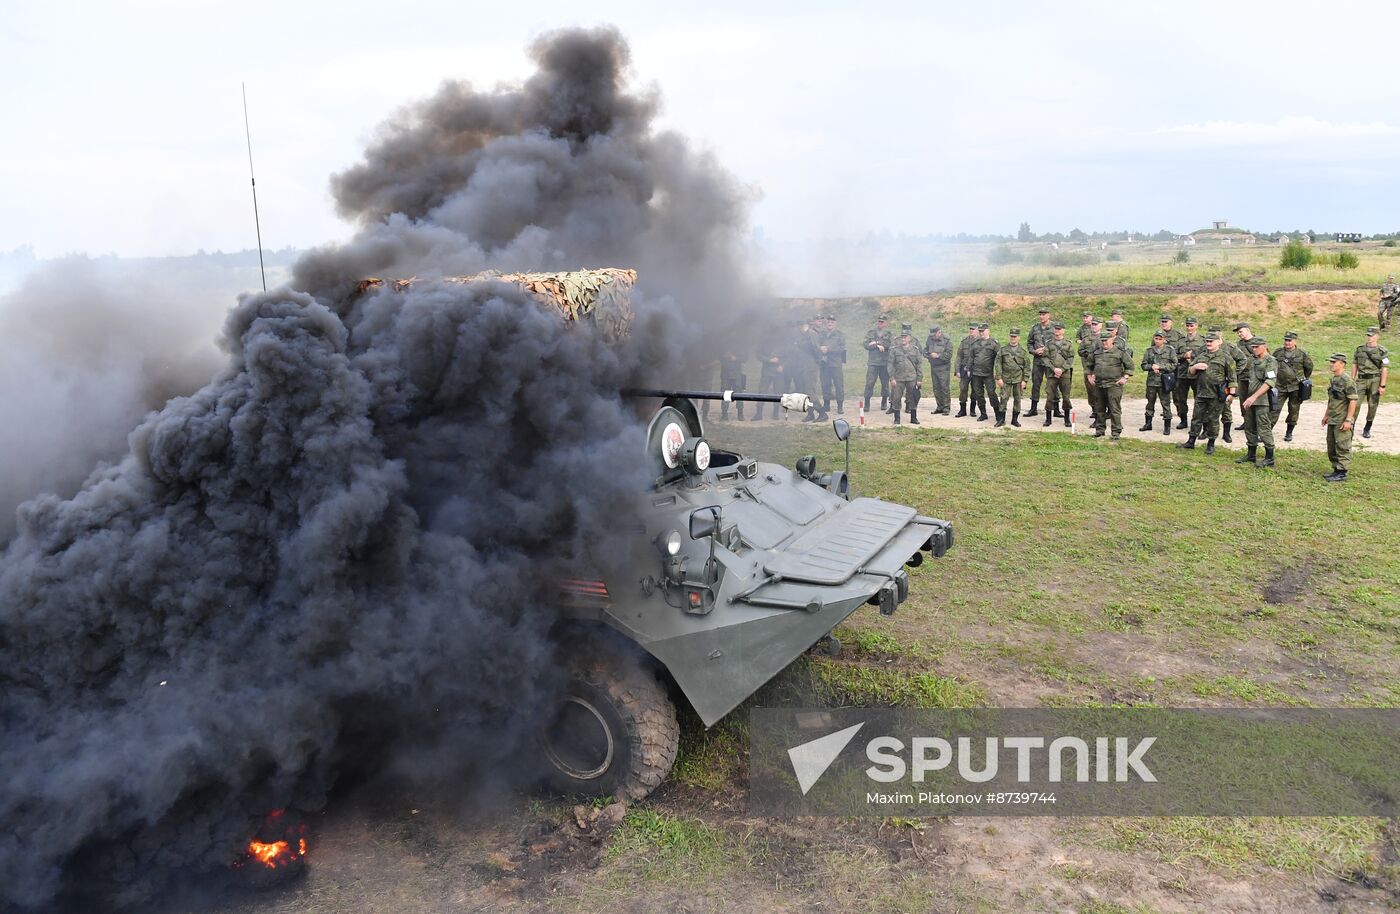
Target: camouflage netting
601,297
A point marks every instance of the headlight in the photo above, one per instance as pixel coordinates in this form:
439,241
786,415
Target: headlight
673,542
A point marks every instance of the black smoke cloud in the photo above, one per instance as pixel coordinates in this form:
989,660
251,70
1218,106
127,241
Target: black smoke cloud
346,529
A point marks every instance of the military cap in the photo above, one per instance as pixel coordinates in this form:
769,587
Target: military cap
1291,335
1217,329
1086,314
1192,321
934,329
1213,335
906,328
1097,320
818,317
1117,311
974,326
1015,332
1239,326
1165,317
1258,341
1105,335
830,316
1373,331
1043,311
1338,357
984,326
1159,335
1056,325
883,317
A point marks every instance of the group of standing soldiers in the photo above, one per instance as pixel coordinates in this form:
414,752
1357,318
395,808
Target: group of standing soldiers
813,354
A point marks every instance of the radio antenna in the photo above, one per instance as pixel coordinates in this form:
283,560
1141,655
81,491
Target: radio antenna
248,134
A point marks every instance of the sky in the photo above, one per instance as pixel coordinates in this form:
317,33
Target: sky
125,123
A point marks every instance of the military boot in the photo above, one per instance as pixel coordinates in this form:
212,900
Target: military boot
1067,419
1054,409
1366,432
1034,404
1268,460
1190,443
1240,427
1338,476
982,409
913,417
1098,432
866,403
1166,425
1248,455
1146,423
1048,418
1182,422
1288,433
1225,433
1210,446
1016,418
1001,418
896,418
962,411
884,404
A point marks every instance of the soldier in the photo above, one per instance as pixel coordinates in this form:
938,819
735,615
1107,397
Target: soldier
806,372
1117,318
1343,400
938,349
731,377
1243,353
831,345
1295,367
1370,371
772,377
984,358
1039,335
1390,297
1171,336
1059,358
1191,346
1086,329
907,371
1257,388
1012,371
877,353
1113,365
1159,361
1213,373
964,368
1089,346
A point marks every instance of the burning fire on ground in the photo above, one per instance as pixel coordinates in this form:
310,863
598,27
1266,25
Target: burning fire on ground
279,845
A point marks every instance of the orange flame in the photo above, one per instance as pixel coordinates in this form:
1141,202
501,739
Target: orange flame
270,853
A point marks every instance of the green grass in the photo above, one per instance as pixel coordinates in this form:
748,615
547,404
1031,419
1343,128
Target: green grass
709,759
863,685
667,848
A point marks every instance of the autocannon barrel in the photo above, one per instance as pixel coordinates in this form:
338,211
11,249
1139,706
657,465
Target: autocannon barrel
729,396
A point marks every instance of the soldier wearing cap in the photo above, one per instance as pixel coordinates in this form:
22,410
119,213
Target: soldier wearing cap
1171,336
1036,339
1059,361
1371,369
1295,368
831,345
938,349
877,356
1012,373
1256,389
1188,349
805,370
964,368
984,360
1390,297
907,371
731,377
1159,361
1243,353
1116,317
1089,346
1343,401
1213,373
1113,365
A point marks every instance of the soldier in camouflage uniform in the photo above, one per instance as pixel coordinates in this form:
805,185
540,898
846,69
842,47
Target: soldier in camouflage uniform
1294,367
877,344
1243,353
772,378
1012,372
1113,365
1213,373
1159,362
805,371
1390,297
1343,401
1371,369
1256,388
1191,346
731,377
1036,339
1117,318
1089,347
1059,359
984,359
1087,333
831,348
938,349
964,369
907,371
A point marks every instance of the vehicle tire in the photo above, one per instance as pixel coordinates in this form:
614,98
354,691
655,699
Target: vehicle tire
612,730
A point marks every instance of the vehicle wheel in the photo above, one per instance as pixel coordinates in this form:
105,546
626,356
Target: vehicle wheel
612,731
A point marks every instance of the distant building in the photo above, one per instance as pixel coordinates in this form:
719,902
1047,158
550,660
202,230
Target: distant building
1219,224
1349,237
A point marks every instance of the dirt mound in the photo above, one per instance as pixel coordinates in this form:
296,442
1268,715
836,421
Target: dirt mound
1311,305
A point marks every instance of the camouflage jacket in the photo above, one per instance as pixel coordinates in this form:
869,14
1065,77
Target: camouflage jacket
939,352
1163,358
1340,389
1013,364
1369,362
1059,354
906,362
874,338
1241,354
1219,370
1088,346
835,343
1258,373
1190,348
1389,291
964,363
984,357
1122,329
1083,333
1293,367
1173,339
1111,364
731,369
1036,337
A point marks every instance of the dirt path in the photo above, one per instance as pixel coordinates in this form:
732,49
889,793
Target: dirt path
1309,435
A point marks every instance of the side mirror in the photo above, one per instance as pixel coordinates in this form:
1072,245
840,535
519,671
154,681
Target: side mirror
843,429
704,522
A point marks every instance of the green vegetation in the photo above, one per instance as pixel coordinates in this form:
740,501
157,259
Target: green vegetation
668,848
1182,256
1295,256
840,683
1346,260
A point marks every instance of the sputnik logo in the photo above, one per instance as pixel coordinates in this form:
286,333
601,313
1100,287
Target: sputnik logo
810,760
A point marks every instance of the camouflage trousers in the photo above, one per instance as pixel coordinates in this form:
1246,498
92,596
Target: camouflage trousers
1057,390
833,385
1383,312
1205,418
875,373
1368,391
984,391
964,388
1257,427
771,382
1010,392
735,384
1293,399
1339,447
1180,392
1109,409
938,377
1158,396
1040,373
905,395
